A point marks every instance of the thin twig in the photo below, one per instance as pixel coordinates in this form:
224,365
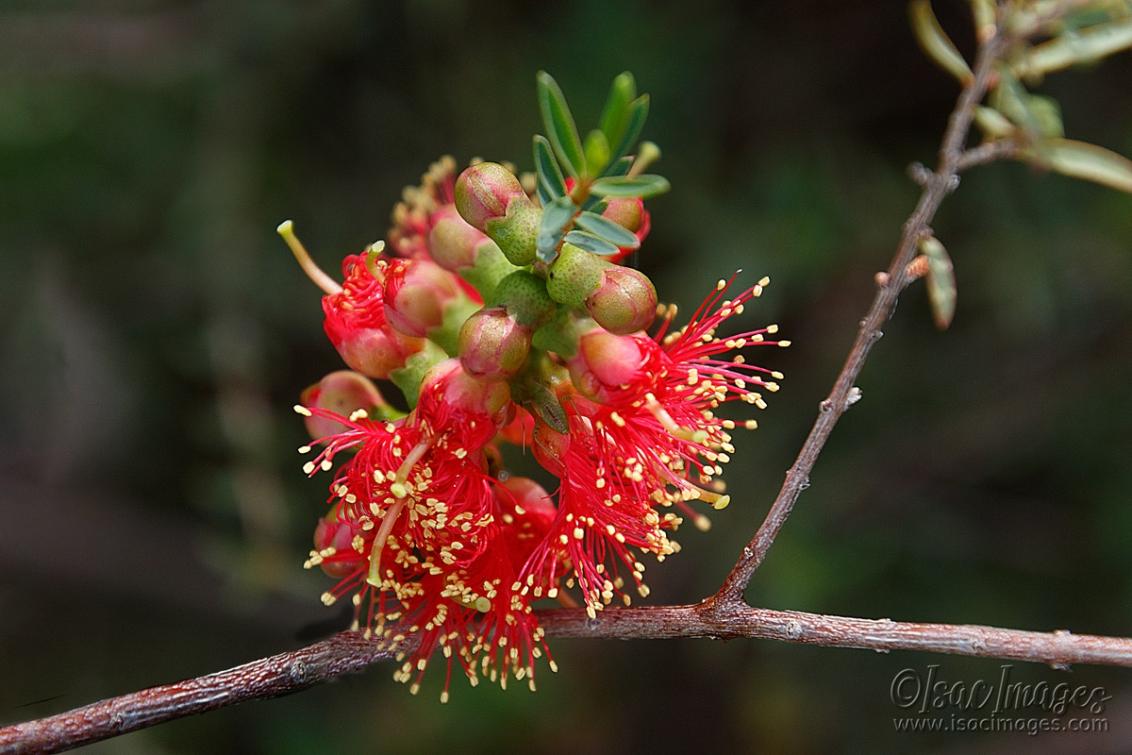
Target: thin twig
936,187
987,153
348,653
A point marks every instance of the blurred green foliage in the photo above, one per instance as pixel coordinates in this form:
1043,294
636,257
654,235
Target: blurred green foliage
157,332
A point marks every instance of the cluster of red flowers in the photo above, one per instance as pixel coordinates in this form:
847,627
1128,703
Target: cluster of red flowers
435,543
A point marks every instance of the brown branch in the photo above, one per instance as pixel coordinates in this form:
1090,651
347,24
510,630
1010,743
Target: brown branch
936,186
278,675
988,152
348,653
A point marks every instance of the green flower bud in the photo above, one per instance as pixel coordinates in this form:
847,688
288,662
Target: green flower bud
516,233
408,378
523,294
490,198
489,268
452,242
574,276
629,213
483,192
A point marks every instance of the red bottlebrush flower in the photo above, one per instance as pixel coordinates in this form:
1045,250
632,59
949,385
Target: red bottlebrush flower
647,436
469,411
356,325
425,539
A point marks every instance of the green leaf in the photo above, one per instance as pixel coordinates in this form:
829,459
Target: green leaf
1012,100
1040,116
1046,115
559,124
551,185
555,217
1082,160
994,124
615,114
1072,48
619,167
638,113
547,408
608,230
591,243
942,292
630,186
935,42
597,153
985,22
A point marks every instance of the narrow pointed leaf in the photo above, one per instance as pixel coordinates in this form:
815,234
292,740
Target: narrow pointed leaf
638,114
555,217
615,114
616,169
559,124
597,153
1083,160
591,243
551,184
993,123
1070,49
630,186
935,42
608,230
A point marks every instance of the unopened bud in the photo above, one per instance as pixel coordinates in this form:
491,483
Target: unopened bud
332,533
630,214
574,276
627,212
343,392
376,352
606,362
523,294
493,345
416,292
625,302
452,242
491,199
483,192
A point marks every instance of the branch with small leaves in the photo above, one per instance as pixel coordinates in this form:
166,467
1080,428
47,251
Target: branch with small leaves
1018,41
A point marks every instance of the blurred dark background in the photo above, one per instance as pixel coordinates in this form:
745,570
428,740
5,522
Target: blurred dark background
156,332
